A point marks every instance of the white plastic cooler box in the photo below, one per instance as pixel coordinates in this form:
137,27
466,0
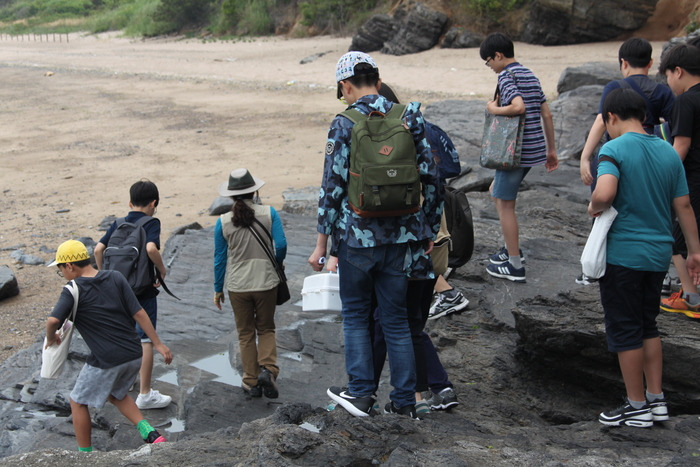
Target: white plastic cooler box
321,292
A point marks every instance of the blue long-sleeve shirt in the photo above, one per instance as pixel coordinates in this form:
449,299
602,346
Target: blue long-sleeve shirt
221,248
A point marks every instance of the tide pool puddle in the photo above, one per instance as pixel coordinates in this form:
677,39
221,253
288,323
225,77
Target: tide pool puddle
220,366
176,426
169,377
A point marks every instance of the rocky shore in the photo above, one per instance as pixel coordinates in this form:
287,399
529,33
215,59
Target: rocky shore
529,362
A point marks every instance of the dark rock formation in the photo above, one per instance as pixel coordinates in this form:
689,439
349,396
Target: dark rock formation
221,205
573,113
420,29
589,73
22,258
8,283
565,335
558,22
374,33
460,38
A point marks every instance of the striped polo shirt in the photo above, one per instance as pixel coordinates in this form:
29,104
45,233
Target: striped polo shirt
528,87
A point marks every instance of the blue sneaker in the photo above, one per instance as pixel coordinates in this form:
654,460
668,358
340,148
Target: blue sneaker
502,256
506,271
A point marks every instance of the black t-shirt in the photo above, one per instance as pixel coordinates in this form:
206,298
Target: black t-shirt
105,318
686,122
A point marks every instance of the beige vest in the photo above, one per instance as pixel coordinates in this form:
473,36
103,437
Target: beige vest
248,269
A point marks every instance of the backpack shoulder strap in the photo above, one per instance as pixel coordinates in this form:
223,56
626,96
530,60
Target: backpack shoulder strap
625,84
143,221
610,159
73,289
120,221
353,115
396,110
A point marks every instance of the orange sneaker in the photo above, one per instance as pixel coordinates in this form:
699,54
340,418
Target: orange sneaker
677,304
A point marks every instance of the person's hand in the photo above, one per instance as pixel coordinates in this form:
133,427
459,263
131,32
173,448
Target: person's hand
429,247
158,281
586,176
56,340
219,299
492,106
593,213
552,161
693,266
315,256
165,352
332,264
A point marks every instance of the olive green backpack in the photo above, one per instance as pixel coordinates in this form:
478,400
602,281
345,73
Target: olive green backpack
384,180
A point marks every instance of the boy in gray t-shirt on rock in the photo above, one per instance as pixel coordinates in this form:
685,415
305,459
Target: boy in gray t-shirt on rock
106,316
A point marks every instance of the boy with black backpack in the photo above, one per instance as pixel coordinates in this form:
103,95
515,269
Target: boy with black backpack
377,166
122,249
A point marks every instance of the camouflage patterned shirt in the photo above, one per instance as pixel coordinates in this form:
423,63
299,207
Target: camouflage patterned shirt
336,218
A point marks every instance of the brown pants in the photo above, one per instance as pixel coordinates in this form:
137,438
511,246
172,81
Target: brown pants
255,317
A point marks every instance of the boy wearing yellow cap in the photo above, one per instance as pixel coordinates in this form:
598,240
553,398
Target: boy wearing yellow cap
106,316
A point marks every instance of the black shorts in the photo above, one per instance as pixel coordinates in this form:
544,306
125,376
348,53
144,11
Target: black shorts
631,304
679,247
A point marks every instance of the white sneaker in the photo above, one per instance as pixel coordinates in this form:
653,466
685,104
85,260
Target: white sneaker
153,400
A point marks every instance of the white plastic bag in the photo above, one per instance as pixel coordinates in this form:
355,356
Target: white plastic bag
53,358
594,255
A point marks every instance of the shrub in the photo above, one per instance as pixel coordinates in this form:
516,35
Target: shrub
333,15
180,13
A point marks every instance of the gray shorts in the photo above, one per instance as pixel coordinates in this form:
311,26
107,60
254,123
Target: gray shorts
95,385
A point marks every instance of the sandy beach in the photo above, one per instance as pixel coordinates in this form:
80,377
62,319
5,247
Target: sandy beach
81,121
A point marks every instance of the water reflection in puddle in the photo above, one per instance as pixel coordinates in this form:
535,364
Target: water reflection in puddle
169,377
219,365
177,426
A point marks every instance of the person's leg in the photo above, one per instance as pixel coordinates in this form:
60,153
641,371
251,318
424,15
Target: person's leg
509,225
414,308
653,361
437,376
441,285
146,368
265,304
82,425
390,285
686,282
378,343
632,367
128,408
653,364
356,265
244,314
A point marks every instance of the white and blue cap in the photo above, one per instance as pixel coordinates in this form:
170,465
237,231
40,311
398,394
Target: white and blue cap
346,65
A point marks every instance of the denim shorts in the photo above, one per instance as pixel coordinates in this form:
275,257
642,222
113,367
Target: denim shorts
95,385
631,304
507,182
150,306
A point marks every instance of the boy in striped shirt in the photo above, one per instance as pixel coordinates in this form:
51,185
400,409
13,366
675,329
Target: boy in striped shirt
520,92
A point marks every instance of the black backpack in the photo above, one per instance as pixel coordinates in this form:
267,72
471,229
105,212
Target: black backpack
458,215
126,253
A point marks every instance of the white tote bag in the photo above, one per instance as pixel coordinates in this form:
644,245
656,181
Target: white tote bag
593,258
54,357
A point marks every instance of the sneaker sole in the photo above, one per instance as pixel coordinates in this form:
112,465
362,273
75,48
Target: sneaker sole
688,313
660,418
449,405
161,405
521,280
629,422
522,260
453,309
346,405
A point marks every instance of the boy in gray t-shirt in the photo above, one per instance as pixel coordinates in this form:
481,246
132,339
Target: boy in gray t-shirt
106,316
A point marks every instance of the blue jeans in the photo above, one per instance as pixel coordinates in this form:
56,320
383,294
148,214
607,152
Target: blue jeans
380,269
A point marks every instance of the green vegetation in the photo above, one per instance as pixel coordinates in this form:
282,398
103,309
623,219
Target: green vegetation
335,15
492,9
694,25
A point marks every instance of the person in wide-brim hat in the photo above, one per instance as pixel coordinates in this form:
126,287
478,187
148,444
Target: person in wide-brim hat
240,182
246,275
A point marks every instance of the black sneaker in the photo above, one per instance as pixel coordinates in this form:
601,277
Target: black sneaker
506,271
357,406
409,410
628,415
254,391
583,279
502,256
267,382
445,399
154,438
666,285
443,304
659,411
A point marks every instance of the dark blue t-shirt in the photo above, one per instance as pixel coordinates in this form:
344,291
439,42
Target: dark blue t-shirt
660,96
152,229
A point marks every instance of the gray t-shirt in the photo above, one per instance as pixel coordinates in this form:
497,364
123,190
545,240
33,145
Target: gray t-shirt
105,318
